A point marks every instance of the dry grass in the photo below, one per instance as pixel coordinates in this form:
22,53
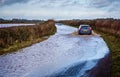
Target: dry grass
13,38
111,26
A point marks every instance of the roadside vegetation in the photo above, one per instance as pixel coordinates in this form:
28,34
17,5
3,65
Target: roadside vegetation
110,31
14,38
14,20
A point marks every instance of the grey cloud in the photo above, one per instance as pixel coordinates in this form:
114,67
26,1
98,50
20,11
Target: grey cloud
115,7
63,3
102,3
1,1
59,3
9,2
51,3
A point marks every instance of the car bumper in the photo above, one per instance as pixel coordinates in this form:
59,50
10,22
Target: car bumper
85,32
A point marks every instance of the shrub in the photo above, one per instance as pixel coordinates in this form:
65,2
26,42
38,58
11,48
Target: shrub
11,35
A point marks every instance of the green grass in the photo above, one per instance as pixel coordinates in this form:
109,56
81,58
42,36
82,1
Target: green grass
17,46
114,46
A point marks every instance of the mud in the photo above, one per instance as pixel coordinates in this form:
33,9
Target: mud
102,69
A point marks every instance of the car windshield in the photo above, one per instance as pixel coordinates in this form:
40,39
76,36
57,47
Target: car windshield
85,27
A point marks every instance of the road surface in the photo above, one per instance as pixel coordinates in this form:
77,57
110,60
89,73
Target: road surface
64,54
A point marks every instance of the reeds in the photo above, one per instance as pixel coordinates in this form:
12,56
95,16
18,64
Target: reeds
111,26
108,26
12,35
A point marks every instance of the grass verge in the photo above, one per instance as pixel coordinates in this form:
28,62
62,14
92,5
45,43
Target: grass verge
114,46
17,46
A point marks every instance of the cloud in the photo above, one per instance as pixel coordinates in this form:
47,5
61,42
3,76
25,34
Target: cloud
1,2
10,2
47,3
114,7
60,8
63,3
102,3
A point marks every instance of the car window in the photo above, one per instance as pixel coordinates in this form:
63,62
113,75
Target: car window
85,27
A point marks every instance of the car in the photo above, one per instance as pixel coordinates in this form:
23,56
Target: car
85,29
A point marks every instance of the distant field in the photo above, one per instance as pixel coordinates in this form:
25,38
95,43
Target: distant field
14,24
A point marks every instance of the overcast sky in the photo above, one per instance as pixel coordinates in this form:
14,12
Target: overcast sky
59,9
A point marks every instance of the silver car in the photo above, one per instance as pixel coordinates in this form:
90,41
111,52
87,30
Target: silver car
85,29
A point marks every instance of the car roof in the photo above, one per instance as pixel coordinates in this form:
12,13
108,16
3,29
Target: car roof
84,25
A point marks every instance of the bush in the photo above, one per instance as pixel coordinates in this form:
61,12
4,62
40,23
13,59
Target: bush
11,35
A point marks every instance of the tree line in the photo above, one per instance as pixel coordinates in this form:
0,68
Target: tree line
15,20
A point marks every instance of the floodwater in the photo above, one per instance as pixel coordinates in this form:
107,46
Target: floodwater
10,25
62,55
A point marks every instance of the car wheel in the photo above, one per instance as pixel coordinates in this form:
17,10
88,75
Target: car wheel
90,33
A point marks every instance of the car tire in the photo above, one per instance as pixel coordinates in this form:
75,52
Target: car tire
90,33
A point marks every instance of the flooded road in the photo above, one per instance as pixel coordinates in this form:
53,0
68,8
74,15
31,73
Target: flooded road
64,54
